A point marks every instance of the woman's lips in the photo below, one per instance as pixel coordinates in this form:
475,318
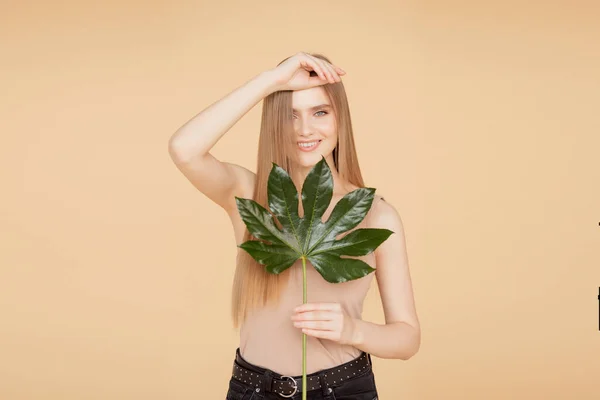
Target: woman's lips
311,148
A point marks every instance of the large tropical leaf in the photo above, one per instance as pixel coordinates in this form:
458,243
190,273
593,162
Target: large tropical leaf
309,237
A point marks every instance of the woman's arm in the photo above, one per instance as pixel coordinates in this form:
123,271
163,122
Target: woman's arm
189,146
400,336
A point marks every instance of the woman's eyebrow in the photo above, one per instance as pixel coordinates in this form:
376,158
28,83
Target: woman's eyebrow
315,107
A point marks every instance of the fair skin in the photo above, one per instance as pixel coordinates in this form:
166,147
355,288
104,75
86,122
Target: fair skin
314,120
220,181
399,337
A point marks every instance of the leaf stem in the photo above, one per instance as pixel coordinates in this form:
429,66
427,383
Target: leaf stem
303,334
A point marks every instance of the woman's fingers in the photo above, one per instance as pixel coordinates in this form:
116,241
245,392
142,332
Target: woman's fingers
324,315
334,73
321,325
325,71
328,72
315,66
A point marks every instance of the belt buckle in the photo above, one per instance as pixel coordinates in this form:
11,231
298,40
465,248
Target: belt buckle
295,387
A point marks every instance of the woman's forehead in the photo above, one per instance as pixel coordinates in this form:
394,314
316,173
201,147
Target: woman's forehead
307,98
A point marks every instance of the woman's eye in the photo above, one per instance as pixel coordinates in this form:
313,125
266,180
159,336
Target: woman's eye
324,112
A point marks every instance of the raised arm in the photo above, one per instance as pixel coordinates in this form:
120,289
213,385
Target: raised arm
189,146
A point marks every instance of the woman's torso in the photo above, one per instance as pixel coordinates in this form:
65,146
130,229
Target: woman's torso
268,337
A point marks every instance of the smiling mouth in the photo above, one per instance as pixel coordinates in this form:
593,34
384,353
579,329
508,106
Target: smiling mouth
308,146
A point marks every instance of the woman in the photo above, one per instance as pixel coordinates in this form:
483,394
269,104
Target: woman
305,117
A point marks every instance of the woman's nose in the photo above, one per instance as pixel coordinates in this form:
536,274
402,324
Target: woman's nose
304,128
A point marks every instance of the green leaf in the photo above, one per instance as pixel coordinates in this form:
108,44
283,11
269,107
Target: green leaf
276,257
283,201
347,213
359,242
309,237
260,222
336,270
317,192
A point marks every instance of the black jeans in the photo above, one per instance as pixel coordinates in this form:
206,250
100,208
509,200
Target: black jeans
359,387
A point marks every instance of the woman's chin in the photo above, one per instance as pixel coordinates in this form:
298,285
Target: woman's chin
309,159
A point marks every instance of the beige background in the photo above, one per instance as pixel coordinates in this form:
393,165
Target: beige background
477,120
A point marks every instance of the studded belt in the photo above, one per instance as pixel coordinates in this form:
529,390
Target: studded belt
287,386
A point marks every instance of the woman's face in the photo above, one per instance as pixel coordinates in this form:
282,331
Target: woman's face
315,131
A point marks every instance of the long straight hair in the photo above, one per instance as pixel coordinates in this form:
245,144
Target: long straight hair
253,286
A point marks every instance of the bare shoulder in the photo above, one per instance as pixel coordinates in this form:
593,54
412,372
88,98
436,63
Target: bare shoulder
384,214
247,180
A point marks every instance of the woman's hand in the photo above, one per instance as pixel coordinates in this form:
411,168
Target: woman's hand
326,321
294,73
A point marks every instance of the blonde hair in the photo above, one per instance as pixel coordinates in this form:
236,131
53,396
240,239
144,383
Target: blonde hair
253,286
